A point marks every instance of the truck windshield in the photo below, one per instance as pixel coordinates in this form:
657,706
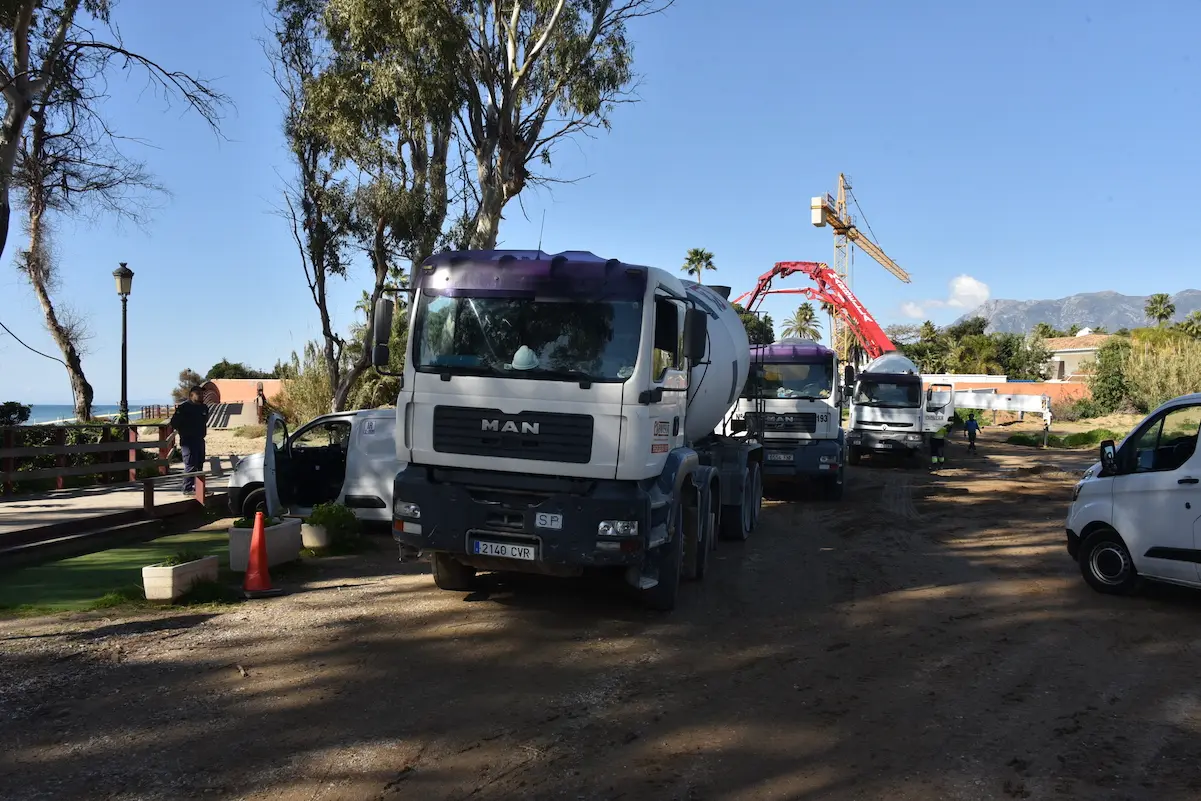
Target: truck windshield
812,381
891,394
559,339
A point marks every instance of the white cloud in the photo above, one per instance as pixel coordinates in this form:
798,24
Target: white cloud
963,292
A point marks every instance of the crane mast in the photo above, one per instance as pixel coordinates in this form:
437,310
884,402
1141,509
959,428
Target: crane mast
832,211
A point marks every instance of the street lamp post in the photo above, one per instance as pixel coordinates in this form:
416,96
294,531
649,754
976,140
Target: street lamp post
124,278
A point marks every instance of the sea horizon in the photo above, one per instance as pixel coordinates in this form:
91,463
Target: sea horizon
40,413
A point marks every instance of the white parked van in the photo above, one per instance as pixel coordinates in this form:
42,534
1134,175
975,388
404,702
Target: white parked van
349,458
1137,513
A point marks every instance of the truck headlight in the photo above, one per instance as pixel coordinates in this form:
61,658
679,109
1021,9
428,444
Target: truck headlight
823,459
617,528
914,437
406,509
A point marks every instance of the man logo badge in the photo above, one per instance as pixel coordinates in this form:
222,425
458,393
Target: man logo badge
509,427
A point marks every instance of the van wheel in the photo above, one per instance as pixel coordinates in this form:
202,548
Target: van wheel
254,501
451,574
1106,563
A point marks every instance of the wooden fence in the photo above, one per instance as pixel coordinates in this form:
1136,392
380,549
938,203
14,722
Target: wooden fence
157,412
117,452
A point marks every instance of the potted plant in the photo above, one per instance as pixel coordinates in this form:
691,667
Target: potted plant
330,525
283,541
175,575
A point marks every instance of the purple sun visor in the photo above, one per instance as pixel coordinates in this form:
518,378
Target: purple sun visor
530,274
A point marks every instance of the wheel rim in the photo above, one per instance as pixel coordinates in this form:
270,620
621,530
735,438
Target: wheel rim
1109,564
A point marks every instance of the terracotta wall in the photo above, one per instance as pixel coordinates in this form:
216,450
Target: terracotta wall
244,390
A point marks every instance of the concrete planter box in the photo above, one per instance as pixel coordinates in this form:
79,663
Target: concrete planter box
283,545
314,536
164,583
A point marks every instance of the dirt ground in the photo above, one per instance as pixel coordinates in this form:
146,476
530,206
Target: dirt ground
925,638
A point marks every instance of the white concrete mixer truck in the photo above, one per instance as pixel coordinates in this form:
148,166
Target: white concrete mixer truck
556,415
893,411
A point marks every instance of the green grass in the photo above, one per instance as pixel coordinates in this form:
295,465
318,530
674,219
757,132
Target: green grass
1079,440
101,580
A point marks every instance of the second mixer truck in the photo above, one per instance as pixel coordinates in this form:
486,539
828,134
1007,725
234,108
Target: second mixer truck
556,415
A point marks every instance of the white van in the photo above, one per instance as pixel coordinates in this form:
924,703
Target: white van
1137,512
348,458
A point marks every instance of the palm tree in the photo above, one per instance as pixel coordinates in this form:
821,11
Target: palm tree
1191,325
1159,308
697,262
803,324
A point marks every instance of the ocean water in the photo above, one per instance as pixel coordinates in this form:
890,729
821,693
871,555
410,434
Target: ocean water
47,413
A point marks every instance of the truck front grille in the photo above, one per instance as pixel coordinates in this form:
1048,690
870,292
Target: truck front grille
544,436
805,422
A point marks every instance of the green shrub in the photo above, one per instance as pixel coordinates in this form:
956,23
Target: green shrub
251,432
339,523
248,522
1077,441
1076,409
180,558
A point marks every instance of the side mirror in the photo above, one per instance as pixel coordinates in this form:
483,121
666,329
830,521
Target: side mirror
848,375
696,335
1109,456
382,333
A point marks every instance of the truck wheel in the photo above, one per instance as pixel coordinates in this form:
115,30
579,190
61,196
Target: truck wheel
853,455
451,574
691,533
662,597
708,535
737,522
834,486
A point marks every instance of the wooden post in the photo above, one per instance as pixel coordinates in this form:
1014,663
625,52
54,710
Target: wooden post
164,451
105,457
7,462
148,498
60,439
200,489
132,431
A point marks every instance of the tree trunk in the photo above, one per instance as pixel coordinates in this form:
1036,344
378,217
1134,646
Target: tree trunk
63,336
379,258
487,220
10,143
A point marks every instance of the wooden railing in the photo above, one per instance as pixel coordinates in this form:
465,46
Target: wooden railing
119,454
157,412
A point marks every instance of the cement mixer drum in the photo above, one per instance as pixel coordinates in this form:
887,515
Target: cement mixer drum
714,386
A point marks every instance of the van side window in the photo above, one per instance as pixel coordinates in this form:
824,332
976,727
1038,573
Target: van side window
668,352
1168,442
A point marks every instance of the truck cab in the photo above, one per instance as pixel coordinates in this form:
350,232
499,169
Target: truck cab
793,404
556,414
347,458
894,411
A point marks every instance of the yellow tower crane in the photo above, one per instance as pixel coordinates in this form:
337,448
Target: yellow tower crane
832,211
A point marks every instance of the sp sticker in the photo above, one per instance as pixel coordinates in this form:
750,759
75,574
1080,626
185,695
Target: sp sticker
662,428
369,427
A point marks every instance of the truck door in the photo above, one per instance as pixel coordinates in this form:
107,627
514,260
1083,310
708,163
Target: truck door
668,373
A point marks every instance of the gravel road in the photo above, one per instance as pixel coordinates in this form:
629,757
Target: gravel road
925,638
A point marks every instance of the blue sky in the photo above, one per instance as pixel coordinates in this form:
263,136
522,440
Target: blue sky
1039,148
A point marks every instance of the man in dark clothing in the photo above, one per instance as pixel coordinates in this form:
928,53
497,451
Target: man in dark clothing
190,422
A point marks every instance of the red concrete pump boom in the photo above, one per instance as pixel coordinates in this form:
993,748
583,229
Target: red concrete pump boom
830,289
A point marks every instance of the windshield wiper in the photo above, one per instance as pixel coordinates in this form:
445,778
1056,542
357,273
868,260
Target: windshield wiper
584,378
445,371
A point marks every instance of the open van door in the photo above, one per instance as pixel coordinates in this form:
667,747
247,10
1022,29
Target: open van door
275,454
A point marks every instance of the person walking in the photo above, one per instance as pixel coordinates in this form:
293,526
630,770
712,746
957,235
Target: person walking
938,441
970,428
190,421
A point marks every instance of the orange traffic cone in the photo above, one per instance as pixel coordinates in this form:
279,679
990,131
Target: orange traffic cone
258,579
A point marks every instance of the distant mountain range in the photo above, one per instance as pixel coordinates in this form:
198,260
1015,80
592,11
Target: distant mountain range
1088,309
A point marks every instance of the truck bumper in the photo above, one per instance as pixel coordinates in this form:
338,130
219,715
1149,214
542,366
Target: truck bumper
809,458
561,519
884,441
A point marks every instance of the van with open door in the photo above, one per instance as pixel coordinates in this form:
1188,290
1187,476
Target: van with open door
1137,513
347,458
